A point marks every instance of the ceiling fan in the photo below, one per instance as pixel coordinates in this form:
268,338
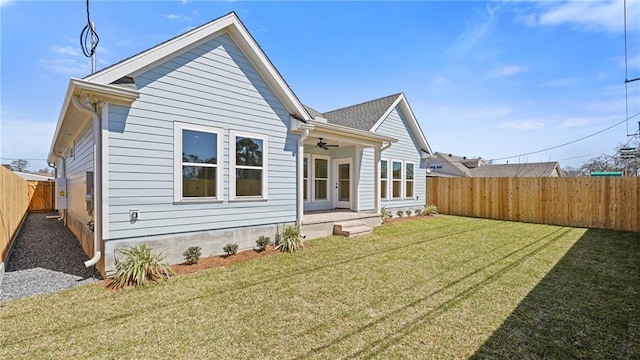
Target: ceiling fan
323,145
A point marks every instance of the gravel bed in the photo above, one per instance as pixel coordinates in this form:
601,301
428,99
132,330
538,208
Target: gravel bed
46,258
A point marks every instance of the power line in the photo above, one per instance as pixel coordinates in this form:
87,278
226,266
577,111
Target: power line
570,142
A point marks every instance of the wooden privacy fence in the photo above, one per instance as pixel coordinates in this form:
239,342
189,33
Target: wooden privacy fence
14,203
594,202
42,194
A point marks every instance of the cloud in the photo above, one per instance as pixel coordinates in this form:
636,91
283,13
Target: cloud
441,80
4,3
24,138
573,122
474,32
561,82
523,125
184,2
67,60
593,16
506,70
173,16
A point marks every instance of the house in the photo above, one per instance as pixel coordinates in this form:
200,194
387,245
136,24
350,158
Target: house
449,165
33,177
199,141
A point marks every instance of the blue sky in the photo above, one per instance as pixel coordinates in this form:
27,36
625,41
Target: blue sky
491,79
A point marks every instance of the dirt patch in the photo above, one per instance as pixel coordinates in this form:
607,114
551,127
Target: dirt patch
222,260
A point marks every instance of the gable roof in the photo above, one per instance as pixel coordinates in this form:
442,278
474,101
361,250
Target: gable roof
361,116
541,169
230,24
369,115
456,162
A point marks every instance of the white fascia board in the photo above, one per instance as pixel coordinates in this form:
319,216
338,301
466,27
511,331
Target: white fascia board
229,24
78,87
413,123
161,51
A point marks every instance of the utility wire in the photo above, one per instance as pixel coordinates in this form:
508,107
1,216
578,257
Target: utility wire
570,142
89,37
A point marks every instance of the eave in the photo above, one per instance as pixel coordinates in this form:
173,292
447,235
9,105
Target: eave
71,121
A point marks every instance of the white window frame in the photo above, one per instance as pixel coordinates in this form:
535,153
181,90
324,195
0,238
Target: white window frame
308,178
177,161
233,134
313,176
387,179
413,181
391,161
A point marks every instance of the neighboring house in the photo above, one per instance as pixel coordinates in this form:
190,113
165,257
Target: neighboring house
449,165
33,177
200,142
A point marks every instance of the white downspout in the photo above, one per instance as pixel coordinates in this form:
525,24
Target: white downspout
97,181
64,173
300,197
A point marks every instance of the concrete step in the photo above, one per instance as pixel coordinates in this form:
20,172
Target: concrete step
351,229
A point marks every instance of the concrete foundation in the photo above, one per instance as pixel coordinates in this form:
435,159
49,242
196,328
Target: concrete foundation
172,246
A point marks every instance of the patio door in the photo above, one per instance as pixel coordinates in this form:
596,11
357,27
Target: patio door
342,184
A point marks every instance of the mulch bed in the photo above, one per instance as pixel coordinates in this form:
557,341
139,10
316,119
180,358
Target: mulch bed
222,260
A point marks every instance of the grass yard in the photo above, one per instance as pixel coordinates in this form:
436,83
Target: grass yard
442,288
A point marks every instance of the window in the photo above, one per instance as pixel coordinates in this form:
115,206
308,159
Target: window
408,192
197,171
396,171
321,178
384,176
248,170
305,178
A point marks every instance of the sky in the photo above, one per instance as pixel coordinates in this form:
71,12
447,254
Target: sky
495,79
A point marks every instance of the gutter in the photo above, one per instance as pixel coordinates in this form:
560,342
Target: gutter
300,159
97,180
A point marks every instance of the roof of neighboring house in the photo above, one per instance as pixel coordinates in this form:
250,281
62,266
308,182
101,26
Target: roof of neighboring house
33,177
313,112
455,161
542,169
361,116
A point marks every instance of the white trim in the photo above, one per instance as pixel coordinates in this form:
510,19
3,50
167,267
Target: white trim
413,181
391,161
230,24
413,123
233,134
308,194
313,177
335,190
105,171
177,162
386,198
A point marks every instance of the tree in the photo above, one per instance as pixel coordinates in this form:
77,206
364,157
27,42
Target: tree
19,165
45,171
606,162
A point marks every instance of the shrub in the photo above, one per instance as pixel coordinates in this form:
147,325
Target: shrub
417,212
408,212
263,242
139,267
430,210
192,255
230,249
385,214
399,212
290,240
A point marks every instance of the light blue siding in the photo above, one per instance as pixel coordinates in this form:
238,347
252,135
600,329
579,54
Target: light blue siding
76,167
210,85
406,149
366,180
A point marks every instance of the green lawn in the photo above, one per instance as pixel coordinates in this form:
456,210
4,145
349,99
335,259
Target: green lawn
447,287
